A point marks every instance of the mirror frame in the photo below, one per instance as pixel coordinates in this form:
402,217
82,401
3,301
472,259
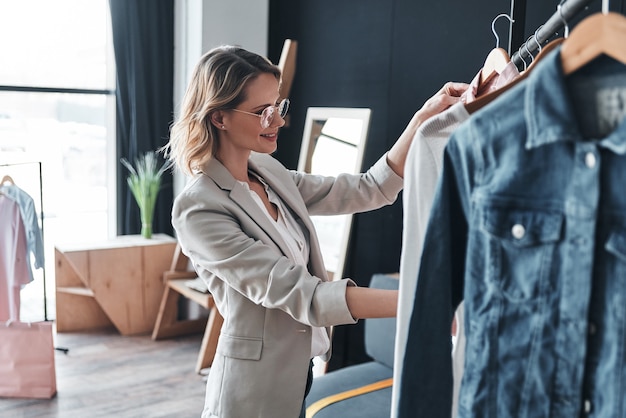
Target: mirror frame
304,164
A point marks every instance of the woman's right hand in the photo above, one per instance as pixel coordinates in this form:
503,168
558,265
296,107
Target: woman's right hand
448,95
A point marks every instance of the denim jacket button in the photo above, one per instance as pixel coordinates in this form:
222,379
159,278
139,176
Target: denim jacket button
587,406
590,160
518,231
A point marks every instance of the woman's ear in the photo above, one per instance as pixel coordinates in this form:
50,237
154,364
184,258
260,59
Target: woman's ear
217,119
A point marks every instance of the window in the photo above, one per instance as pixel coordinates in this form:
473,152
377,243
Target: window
57,116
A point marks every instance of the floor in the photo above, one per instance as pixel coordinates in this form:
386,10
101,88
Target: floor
105,374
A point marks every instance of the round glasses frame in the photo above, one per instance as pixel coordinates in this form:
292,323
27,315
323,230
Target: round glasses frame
267,115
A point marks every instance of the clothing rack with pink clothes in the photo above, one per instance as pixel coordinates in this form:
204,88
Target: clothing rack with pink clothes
15,198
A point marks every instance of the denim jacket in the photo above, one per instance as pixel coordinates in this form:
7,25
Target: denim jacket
528,226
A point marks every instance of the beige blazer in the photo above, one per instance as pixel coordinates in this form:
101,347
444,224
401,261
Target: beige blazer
269,303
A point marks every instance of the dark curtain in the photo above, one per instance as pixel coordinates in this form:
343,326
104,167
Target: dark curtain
143,40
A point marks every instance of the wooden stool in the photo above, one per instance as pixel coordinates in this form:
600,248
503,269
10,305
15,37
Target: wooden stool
167,323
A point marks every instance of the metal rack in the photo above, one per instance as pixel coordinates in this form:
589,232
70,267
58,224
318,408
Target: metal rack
38,163
554,24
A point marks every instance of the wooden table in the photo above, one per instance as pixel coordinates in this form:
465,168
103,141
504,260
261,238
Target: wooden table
113,283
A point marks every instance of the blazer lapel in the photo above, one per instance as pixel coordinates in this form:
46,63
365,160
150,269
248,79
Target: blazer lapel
241,196
287,191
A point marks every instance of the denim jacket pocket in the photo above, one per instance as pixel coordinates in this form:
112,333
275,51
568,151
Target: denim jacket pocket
521,243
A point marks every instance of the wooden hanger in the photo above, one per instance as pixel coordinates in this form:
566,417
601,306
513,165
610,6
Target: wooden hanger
488,98
7,179
495,63
497,59
600,33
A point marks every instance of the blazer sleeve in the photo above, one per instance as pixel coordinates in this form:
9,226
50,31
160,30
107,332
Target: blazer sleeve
349,193
230,250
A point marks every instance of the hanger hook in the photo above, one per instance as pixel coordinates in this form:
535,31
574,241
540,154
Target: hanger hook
537,39
493,27
521,56
530,55
565,25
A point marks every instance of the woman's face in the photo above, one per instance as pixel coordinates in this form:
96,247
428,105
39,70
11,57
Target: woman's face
243,132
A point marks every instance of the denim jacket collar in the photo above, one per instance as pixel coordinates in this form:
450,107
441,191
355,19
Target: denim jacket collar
549,113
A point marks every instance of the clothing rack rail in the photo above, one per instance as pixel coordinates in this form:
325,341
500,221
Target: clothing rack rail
45,299
555,23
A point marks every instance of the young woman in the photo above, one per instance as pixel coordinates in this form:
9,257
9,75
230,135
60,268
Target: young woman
244,222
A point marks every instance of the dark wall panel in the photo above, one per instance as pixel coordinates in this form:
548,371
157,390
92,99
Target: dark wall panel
342,60
389,56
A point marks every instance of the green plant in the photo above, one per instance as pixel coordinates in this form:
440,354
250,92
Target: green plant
144,182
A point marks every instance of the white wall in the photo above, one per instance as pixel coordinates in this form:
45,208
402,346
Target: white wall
204,24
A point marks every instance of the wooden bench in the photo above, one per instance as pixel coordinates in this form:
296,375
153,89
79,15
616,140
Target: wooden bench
112,283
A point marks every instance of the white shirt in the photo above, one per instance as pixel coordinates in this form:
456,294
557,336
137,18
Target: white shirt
422,169
298,248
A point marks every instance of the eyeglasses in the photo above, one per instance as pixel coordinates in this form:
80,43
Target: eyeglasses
267,115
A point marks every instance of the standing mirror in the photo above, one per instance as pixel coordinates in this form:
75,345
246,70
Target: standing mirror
333,143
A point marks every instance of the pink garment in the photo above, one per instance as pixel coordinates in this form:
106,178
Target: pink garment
496,81
13,259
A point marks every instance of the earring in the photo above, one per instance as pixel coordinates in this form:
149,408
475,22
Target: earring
223,127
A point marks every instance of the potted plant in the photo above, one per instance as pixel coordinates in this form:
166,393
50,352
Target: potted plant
144,182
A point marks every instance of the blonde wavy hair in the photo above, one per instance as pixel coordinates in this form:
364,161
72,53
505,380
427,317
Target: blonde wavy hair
218,82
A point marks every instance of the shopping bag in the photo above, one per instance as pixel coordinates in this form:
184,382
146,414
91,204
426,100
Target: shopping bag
27,368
